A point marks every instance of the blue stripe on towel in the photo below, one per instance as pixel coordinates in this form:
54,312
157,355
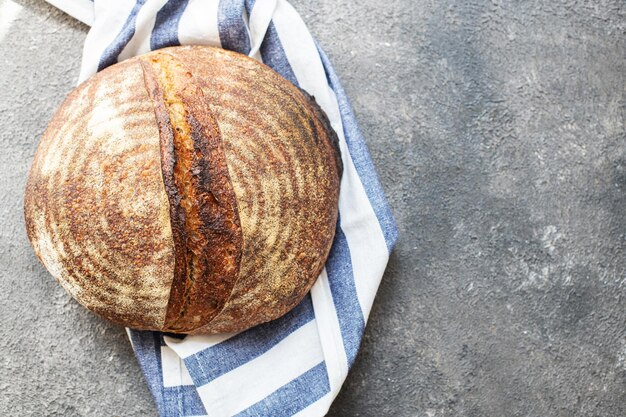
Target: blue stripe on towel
232,27
165,32
110,54
183,400
274,56
294,396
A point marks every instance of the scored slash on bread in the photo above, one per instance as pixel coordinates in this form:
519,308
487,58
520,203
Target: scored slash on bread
203,210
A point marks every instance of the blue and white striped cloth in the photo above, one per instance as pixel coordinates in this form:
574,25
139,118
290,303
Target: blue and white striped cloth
294,365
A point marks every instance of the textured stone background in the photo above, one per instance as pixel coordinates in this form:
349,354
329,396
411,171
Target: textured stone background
498,129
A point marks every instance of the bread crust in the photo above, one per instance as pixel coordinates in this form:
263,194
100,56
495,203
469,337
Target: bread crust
239,189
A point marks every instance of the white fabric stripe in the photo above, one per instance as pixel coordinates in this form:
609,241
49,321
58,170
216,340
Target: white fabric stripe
198,24
9,12
365,238
174,370
359,223
111,16
191,345
260,18
78,9
130,339
242,387
318,408
329,331
140,42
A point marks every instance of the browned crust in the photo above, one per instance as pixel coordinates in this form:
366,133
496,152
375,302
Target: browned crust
217,227
203,209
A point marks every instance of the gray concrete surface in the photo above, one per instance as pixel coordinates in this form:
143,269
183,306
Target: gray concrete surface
498,131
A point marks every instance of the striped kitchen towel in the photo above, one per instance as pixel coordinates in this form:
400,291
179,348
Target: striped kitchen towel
294,365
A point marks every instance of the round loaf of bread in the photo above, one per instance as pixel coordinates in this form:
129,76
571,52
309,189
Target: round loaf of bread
189,190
